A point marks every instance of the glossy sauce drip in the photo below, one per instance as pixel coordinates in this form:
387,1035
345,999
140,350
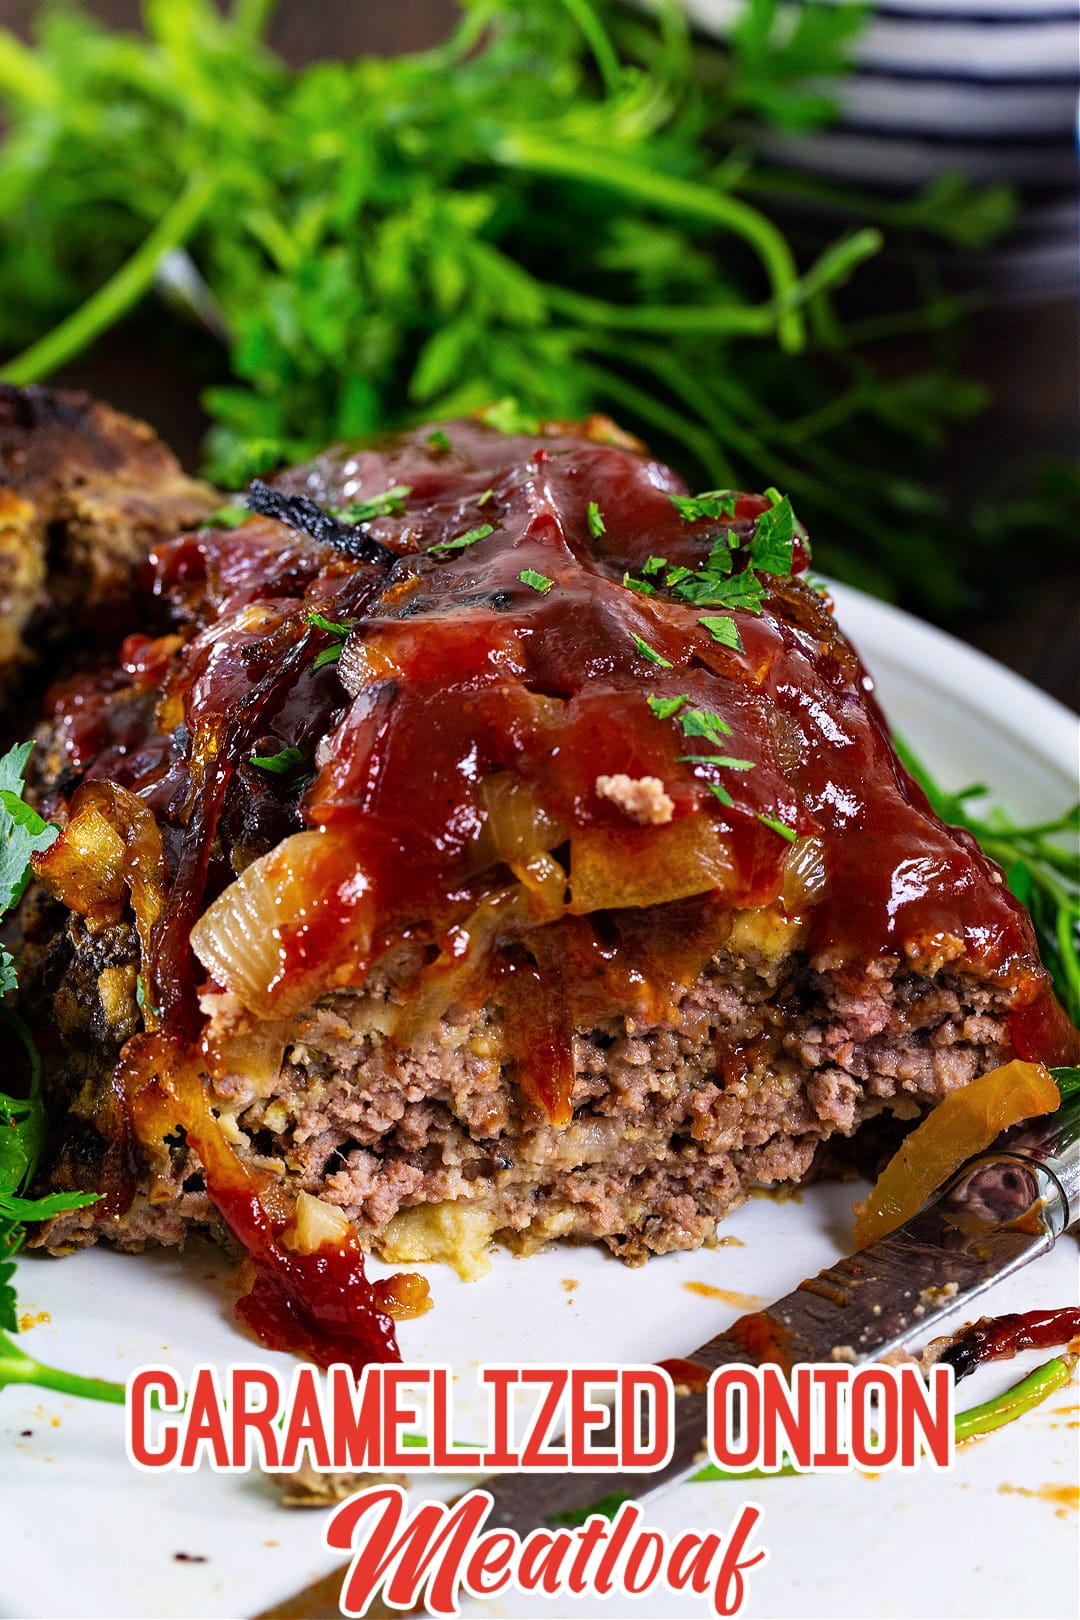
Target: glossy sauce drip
998,1338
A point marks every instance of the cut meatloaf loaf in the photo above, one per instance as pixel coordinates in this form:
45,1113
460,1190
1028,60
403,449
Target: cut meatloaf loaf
84,493
498,843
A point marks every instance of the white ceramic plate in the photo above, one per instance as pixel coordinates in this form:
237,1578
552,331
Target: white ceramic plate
83,1535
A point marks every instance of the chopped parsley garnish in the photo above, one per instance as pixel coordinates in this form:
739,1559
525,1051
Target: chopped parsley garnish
651,653
714,503
721,793
482,500
442,548
653,566
227,517
538,582
717,759
780,827
438,443
391,503
333,627
743,591
703,723
773,543
642,586
287,759
723,629
597,526
664,708
507,416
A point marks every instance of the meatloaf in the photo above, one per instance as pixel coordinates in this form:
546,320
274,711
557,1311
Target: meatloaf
496,842
84,493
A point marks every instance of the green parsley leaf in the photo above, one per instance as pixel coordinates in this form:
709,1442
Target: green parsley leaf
703,723
720,559
227,517
597,527
442,548
651,653
720,793
723,629
438,442
329,655
507,416
286,760
664,708
642,586
714,503
780,827
331,626
22,831
675,576
391,503
539,582
744,591
725,760
653,566
772,546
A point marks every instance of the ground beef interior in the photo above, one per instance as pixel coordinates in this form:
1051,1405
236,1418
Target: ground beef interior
434,1151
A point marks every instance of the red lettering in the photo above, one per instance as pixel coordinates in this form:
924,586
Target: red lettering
139,1398
543,1553
645,1389
586,1415
356,1407
729,1593
790,1410
730,1415
488,1569
254,1423
690,1564
305,1423
441,1426
649,1542
430,1550
499,1381
830,1381
534,1452
204,1427
396,1414
929,1412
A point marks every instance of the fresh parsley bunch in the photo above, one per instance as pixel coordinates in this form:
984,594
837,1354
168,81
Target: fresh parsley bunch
560,204
22,1119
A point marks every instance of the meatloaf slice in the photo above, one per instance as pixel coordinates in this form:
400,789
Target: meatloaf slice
503,843
84,493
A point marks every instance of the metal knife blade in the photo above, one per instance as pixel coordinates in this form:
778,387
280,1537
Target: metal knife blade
1003,1209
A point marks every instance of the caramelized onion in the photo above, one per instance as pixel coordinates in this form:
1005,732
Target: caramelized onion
963,1124
645,866
295,920
805,877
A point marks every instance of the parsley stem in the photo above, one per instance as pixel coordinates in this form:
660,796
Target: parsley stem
599,43
527,150
1017,1400
251,18
16,1367
117,295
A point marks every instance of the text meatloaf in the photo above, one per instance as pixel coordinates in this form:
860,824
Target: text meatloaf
496,843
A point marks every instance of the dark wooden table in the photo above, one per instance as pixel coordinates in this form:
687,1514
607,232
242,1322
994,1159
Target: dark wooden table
1025,352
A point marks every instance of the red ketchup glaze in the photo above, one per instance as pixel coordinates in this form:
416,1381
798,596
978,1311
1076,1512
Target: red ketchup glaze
456,671
999,1338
